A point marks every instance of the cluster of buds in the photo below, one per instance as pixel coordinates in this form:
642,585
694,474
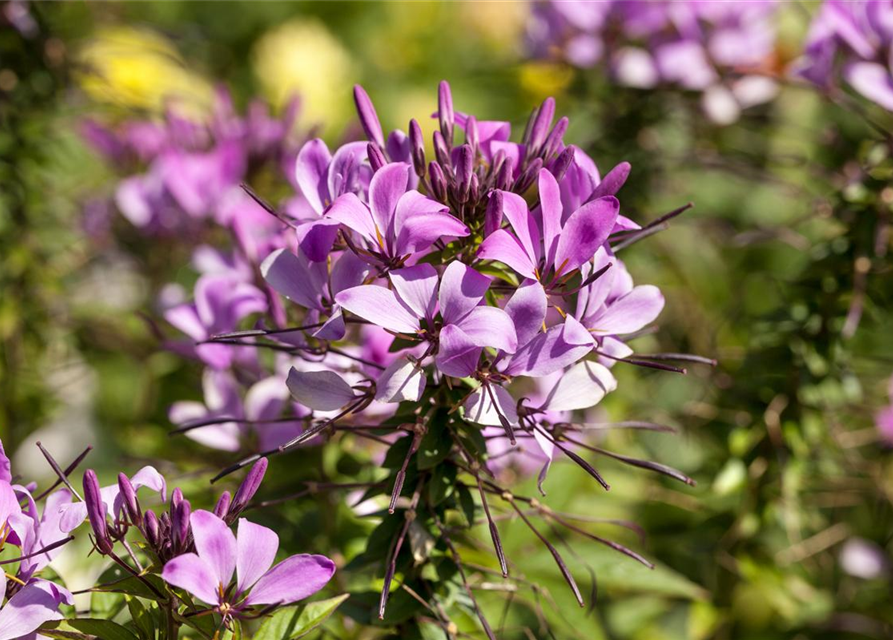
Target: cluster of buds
114,510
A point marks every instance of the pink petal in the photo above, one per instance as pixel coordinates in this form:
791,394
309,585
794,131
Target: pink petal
420,231
479,407
319,390
551,210
581,387
353,214
379,306
584,232
215,544
257,547
461,290
630,313
527,309
293,579
402,381
501,246
490,327
311,170
387,186
457,354
417,288
36,603
514,209
193,574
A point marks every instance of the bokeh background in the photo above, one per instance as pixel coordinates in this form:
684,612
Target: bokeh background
788,532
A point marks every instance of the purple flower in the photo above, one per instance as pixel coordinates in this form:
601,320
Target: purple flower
398,222
32,605
550,248
718,48
850,42
263,401
208,573
220,303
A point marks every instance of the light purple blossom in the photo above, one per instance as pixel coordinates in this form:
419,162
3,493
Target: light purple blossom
208,574
721,49
850,43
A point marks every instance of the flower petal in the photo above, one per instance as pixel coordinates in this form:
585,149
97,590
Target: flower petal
457,354
287,275
515,210
311,171
379,306
417,288
560,346
420,231
461,290
502,246
584,232
631,312
319,390
611,183
527,309
490,327
872,80
353,214
215,544
551,210
292,579
582,386
256,550
193,574
386,188
36,603
401,381
479,407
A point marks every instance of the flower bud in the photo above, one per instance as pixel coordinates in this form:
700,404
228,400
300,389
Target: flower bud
464,169
128,497
152,529
445,114
471,134
441,150
176,498
505,176
541,125
438,181
493,215
417,143
180,525
553,142
248,487
530,173
474,189
96,511
562,163
376,156
368,116
221,509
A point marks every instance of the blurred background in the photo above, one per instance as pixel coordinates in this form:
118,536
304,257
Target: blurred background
788,531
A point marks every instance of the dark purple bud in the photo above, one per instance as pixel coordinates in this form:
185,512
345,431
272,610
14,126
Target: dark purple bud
128,497
438,181
180,525
152,529
471,133
441,150
96,511
496,164
525,139
554,140
541,125
376,156
176,498
505,176
526,179
445,111
474,189
248,487
368,117
612,182
562,163
417,143
221,509
464,171
493,215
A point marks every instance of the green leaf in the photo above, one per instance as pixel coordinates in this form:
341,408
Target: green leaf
397,453
466,503
115,580
435,446
88,628
142,619
442,483
289,623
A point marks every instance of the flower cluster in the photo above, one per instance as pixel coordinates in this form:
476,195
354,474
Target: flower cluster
35,537
722,49
850,42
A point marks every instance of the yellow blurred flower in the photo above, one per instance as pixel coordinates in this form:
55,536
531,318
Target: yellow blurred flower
542,79
138,68
303,57
499,24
